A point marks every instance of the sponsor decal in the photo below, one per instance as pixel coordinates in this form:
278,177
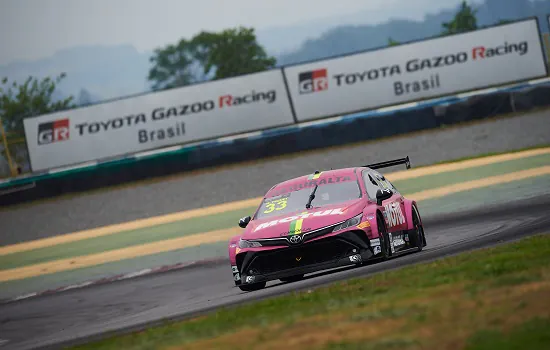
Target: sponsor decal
110,124
55,131
163,113
482,52
363,225
407,87
181,110
312,81
176,130
250,279
232,100
393,214
375,241
314,176
375,244
355,258
276,204
418,64
236,275
398,240
237,250
298,258
367,75
392,247
300,217
311,183
296,227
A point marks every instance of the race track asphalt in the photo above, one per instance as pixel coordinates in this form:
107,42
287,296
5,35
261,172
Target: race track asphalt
249,180
88,313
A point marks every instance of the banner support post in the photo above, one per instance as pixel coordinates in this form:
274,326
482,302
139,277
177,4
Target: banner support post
6,148
547,44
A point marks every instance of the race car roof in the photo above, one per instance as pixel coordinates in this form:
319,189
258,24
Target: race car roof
317,178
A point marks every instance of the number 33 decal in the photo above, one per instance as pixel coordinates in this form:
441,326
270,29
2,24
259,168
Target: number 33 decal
275,205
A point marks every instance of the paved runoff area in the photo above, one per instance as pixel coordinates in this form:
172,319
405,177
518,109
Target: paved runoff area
199,234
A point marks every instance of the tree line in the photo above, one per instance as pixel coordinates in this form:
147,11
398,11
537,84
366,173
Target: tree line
465,20
205,56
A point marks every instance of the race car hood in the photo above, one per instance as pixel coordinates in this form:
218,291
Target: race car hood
302,220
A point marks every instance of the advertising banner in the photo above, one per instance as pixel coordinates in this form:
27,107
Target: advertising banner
193,113
414,71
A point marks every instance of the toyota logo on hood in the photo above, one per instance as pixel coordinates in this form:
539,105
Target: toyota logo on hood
295,239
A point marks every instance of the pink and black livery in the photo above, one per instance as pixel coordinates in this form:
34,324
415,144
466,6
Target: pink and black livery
325,220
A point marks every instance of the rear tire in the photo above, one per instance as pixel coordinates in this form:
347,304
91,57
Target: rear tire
418,238
384,238
294,278
252,287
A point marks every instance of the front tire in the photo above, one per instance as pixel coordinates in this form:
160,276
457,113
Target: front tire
384,238
252,287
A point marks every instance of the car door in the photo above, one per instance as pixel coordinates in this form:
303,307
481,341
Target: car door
394,207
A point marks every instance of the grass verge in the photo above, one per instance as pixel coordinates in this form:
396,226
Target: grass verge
124,239
474,300
219,221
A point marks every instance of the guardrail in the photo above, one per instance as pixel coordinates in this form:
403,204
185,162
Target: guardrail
355,127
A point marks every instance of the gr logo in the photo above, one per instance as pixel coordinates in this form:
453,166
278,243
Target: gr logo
313,81
53,131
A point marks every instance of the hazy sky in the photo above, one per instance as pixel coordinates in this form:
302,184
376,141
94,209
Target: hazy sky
31,29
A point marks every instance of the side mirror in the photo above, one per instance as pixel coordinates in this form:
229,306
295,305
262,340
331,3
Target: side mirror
243,222
382,195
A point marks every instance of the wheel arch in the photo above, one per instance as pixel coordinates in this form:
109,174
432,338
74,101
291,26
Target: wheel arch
371,213
409,204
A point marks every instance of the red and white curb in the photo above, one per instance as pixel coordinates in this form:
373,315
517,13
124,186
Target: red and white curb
115,278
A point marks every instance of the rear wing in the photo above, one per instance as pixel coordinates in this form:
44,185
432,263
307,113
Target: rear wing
389,163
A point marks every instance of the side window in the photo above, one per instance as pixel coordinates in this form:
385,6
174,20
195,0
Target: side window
370,185
385,183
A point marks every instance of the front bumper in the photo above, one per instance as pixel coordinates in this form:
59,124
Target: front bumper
347,248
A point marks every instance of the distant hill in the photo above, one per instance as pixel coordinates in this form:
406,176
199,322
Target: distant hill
96,73
347,39
104,72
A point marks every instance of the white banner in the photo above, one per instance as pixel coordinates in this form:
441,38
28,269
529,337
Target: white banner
150,121
415,71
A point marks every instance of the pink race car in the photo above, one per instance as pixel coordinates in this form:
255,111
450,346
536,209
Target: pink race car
325,220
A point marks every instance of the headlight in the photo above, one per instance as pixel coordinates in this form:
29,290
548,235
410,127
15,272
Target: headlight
248,244
354,221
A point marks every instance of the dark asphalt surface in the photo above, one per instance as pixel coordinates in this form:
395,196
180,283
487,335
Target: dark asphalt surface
253,179
129,305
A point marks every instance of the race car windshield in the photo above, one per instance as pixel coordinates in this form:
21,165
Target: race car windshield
296,200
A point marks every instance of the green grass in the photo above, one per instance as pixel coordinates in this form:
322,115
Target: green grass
446,303
489,154
125,239
229,219
469,174
533,335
